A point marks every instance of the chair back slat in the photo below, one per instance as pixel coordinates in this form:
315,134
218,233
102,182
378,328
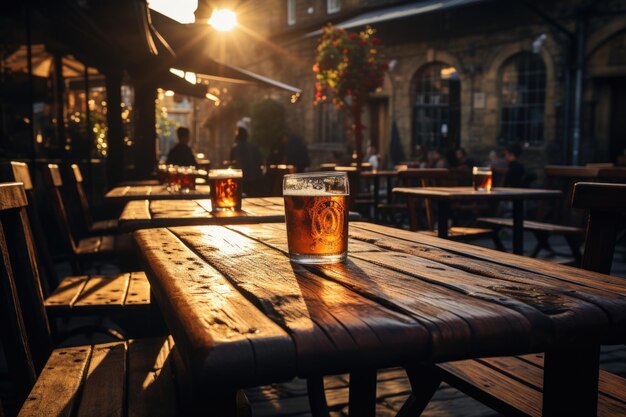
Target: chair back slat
53,182
19,172
75,185
606,204
22,307
422,177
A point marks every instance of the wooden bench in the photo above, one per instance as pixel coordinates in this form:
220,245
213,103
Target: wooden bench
513,385
435,178
80,250
126,378
542,231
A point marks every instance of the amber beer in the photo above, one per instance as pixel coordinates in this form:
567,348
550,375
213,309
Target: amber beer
225,189
482,177
317,223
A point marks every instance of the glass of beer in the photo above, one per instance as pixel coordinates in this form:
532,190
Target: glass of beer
187,179
225,189
316,213
482,177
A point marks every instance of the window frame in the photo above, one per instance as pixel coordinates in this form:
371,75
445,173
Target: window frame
532,92
333,6
291,12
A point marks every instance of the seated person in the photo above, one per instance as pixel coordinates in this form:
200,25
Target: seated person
181,154
515,169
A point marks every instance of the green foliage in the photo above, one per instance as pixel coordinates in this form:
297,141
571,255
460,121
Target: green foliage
268,124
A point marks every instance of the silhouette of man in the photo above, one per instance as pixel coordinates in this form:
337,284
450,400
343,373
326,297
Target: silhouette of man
181,153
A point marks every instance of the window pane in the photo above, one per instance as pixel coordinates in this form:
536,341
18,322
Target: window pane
522,98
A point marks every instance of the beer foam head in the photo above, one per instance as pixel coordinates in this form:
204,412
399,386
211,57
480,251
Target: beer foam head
225,173
317,184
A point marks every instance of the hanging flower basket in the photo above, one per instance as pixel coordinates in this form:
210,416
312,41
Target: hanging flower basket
348,68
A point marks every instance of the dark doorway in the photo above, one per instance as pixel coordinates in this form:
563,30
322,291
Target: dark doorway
617,144
378,123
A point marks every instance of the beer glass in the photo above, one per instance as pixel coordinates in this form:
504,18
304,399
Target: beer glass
187,179
482,178
316,213
225,189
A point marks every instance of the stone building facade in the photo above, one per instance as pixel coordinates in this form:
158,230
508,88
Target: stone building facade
476,74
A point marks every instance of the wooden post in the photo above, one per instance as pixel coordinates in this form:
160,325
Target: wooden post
115,149
59,102
145,129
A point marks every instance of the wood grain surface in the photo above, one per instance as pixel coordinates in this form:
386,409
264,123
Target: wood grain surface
468,193
154,192
242,314
143,214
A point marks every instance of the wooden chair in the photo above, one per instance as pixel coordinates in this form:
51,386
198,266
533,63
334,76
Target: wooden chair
543,230
274,178
18,172
85,225
85,380
360,201
125,297
514,385
87,249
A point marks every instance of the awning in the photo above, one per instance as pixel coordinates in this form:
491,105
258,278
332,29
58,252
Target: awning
187,44
398,12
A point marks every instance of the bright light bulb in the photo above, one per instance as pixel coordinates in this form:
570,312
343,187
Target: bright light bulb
223,20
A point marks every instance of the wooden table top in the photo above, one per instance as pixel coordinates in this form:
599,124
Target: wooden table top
379,173
142,214
154,192
243,315
468,193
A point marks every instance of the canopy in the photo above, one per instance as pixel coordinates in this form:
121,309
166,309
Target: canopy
398,12
190,55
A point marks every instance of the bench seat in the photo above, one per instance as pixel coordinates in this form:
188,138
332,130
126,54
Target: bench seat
133,378
459,232
533,225
513,385
97,293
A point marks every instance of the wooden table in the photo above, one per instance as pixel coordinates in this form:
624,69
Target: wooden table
242,315
154,192
145,214
445,196
142,214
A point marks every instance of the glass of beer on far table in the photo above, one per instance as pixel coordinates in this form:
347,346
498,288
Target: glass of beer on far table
316,213
225,189
482,177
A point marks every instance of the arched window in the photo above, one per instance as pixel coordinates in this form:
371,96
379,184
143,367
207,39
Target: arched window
522,98
437,106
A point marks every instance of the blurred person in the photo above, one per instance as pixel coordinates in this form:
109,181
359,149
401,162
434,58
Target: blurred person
462,160
421,155
438,159
296,152
246,155
372,157
515,170
496,161
181,154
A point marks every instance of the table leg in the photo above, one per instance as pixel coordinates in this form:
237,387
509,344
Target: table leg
443,213
424,383
218,403
376,191
518,227
362,397
317,396
389,189
570,382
